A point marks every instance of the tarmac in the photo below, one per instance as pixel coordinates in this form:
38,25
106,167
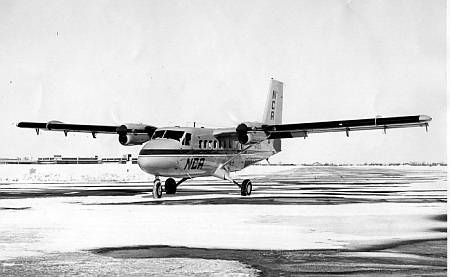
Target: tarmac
308,221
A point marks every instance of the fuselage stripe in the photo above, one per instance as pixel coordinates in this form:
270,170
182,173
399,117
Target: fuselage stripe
154,152
191,155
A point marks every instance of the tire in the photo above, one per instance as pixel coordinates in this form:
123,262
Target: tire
246,187
170,186
157,189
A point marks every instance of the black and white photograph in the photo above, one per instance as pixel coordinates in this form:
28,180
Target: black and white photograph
223,138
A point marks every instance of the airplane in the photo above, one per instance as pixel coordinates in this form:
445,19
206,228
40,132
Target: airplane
190,152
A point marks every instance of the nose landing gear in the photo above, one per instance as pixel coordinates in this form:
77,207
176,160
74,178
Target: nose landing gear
170,186
157,188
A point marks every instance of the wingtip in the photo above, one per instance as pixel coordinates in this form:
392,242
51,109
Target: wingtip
424,118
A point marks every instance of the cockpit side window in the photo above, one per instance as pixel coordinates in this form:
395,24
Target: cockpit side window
176,135
158,134
187,139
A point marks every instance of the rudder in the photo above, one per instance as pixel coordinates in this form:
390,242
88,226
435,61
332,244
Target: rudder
273,111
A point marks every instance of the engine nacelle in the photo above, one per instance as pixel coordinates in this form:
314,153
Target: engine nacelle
254,137
133,139
135,134
250,133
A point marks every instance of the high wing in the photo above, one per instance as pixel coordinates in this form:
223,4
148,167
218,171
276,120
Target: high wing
303,129
129,134
252,132
225,133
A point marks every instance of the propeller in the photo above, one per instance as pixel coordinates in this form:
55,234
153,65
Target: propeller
241,131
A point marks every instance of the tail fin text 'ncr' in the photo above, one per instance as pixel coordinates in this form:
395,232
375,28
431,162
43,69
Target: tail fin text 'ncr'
274,108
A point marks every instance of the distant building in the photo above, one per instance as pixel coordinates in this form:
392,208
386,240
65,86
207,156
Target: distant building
58,159
17,161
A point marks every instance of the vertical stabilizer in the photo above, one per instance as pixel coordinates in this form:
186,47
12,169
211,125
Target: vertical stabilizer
274,108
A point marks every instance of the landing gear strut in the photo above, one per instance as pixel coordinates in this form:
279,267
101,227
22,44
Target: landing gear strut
246,187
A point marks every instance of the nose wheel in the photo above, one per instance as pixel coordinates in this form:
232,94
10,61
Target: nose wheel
246,187
157,189
170,186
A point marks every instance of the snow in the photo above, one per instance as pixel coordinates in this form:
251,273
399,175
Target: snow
56,226
38,226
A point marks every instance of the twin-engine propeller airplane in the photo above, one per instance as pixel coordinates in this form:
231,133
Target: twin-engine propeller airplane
189,152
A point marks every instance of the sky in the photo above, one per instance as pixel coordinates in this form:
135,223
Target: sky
169,63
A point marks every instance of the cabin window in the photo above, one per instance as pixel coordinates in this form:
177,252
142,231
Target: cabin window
158,134
187,139
204,143
200,143
176,135
215,144
220,144
210,144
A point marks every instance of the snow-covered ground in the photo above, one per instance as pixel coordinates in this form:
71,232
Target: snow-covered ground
62,173
368,206
53,225
105,173
45,173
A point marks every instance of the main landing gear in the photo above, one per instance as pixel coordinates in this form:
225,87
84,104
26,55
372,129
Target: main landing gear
246,187
170,186
223,172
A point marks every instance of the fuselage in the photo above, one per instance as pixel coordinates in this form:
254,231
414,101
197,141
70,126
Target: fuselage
189,152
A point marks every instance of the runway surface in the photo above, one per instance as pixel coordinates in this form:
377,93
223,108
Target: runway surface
102,220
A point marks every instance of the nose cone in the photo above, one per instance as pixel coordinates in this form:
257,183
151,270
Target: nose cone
158,157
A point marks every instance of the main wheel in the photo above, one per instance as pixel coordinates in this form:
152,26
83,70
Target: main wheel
246,187
170,186
157,189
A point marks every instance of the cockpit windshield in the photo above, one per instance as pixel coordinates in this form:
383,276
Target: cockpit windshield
176,135
168,134
158,134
